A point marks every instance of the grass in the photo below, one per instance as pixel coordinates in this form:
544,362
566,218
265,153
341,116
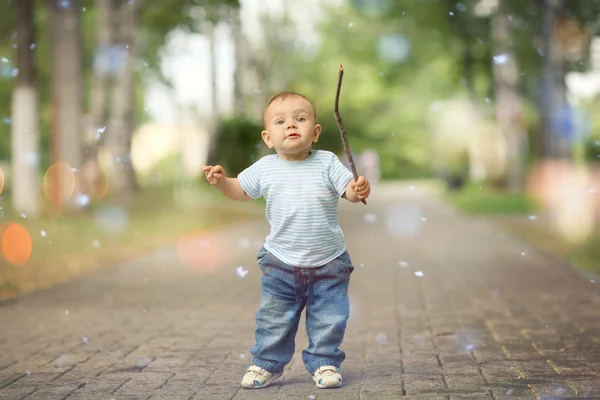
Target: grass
82,241
512,210
489,201
542,236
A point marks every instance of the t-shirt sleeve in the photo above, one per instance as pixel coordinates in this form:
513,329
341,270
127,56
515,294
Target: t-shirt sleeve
249,179
339,176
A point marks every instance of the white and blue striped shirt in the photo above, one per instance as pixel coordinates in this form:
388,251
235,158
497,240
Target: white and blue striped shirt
302,205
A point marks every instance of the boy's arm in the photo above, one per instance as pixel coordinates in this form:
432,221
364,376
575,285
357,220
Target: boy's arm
357,190
231,188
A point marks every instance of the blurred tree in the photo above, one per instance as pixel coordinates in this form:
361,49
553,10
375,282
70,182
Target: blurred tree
120,124
66,80
212,15
102,64
509,116
25,136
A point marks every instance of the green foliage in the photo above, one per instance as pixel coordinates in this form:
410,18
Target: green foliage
485,200
384,104
239,144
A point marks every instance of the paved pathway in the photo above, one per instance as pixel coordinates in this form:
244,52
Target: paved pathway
443,306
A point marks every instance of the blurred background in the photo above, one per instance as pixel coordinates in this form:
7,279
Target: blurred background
110,108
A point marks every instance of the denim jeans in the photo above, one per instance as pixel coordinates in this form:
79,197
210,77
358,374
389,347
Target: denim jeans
286,290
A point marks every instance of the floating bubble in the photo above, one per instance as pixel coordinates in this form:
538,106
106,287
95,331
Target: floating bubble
16,243
419,273
403,220
370,217
85,340
394,48
143,361
381,338
111,219
403,264
43,233
469,347
461,7
81,200
500,59
241,272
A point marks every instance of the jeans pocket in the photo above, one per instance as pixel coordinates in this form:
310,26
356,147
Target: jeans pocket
266,261
341,267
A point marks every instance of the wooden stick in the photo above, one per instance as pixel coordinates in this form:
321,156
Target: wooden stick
338,119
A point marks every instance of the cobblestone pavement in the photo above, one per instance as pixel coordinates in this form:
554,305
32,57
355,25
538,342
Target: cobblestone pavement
443,306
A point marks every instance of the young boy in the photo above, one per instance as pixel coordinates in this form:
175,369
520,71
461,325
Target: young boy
304,261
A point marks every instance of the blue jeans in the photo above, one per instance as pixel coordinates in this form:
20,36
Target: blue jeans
286,290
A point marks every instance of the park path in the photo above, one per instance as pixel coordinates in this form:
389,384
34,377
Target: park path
442,306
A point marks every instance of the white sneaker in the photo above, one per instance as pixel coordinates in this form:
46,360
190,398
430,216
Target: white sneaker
327,377
257,378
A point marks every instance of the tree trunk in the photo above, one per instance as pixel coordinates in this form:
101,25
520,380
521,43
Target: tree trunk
120,128
240,63
67,82
96,117
508,100
24,134
213,147
91,181
546,145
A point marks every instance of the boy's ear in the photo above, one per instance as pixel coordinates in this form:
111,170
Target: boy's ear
267,139
317,133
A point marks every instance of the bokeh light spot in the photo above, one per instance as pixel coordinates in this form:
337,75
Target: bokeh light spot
59,182
200,250
16,243
1,180
91,180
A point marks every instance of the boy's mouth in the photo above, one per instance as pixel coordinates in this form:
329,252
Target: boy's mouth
292,135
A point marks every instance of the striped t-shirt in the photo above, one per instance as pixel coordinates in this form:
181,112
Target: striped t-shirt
302,205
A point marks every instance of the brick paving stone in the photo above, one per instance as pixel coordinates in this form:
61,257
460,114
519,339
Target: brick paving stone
443,306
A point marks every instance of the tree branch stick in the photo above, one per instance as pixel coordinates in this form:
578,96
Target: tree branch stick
340,125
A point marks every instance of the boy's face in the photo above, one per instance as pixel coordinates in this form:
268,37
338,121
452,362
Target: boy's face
290,127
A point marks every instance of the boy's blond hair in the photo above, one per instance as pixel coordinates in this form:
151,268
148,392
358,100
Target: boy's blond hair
286,95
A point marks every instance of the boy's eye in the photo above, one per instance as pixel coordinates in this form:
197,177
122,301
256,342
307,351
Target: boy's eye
301,119
279,122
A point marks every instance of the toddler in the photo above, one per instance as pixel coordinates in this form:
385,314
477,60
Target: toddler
304,262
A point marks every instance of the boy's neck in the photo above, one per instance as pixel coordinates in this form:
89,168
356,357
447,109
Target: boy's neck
295,157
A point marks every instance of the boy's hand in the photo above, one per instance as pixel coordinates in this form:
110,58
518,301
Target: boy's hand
361,187
214,174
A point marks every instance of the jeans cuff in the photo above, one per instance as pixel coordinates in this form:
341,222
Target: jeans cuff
266,365
315,365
